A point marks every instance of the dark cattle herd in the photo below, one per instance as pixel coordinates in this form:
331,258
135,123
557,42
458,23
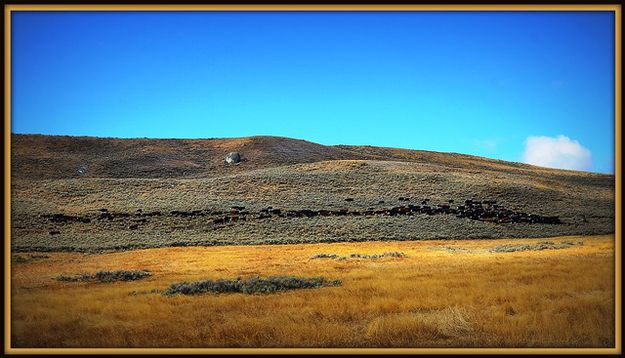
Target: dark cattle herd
486,210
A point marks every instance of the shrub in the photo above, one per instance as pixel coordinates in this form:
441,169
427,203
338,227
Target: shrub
25,259
144,292
325,256
254,285
543,245
107,276
451,249
21,259
359,256
391,254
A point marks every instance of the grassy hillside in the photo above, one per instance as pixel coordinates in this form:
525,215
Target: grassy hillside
56,157
131,178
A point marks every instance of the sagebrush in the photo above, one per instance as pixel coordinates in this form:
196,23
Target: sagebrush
254,285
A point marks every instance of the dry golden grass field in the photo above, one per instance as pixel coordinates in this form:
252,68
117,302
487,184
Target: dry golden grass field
440,294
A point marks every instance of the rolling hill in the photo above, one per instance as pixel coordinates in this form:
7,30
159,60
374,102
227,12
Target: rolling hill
102,190
59,157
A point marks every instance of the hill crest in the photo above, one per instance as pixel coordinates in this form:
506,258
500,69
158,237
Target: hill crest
36,156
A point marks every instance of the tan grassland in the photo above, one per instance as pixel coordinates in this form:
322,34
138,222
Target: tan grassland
441,294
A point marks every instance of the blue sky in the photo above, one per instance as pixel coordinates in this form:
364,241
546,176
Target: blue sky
482,83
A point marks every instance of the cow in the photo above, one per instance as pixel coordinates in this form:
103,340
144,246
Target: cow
106,215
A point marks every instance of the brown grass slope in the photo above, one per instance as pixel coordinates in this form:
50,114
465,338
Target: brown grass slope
124,175
56,157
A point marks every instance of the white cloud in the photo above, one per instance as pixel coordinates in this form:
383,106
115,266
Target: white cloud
556,152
